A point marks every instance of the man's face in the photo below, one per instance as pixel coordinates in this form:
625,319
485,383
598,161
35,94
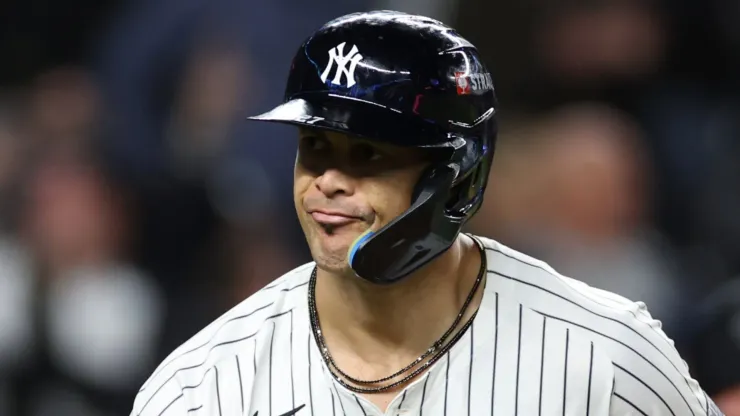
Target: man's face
344,186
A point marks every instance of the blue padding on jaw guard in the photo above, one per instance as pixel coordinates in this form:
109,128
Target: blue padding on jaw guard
361,239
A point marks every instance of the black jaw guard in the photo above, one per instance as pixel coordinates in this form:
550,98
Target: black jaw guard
414,238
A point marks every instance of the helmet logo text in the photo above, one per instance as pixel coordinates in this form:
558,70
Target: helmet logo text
308,119
473,83
337,56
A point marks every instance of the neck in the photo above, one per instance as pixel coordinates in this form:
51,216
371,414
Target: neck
400,321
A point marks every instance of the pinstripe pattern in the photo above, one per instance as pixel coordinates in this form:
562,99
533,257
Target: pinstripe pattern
542,344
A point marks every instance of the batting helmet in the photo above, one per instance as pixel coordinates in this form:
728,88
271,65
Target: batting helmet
410,81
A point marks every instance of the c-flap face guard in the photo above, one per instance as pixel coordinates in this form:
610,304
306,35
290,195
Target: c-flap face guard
415,237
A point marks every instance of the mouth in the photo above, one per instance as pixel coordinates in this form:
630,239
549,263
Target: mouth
331,219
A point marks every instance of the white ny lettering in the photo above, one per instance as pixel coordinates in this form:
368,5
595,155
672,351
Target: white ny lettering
336,56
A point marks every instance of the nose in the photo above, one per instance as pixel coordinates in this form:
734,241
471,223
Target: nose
334,182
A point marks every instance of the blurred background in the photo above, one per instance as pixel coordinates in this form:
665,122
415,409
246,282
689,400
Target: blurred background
136,205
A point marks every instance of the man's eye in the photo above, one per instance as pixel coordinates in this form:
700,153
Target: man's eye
377,155
374,156
368,154
314,143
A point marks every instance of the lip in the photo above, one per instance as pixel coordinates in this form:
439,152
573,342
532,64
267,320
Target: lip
324,217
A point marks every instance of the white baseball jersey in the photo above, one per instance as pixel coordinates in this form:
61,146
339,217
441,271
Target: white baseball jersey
541,344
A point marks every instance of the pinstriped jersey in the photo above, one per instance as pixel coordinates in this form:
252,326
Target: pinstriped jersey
541,344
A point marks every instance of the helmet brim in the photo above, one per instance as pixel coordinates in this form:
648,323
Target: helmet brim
298,112
358,118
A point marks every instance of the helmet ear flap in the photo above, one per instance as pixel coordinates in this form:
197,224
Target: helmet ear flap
465,195
462,193
472,163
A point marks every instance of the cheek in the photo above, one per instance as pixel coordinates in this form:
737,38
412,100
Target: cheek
392,196
301,185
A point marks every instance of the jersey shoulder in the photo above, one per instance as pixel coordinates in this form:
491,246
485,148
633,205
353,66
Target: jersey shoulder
620,329
224,337
547,286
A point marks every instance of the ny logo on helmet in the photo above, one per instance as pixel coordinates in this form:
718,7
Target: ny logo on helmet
337,56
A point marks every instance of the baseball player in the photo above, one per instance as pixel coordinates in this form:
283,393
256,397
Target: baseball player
400,313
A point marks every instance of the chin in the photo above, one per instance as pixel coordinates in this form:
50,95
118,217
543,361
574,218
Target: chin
330,257
330,249
336,264
334,267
